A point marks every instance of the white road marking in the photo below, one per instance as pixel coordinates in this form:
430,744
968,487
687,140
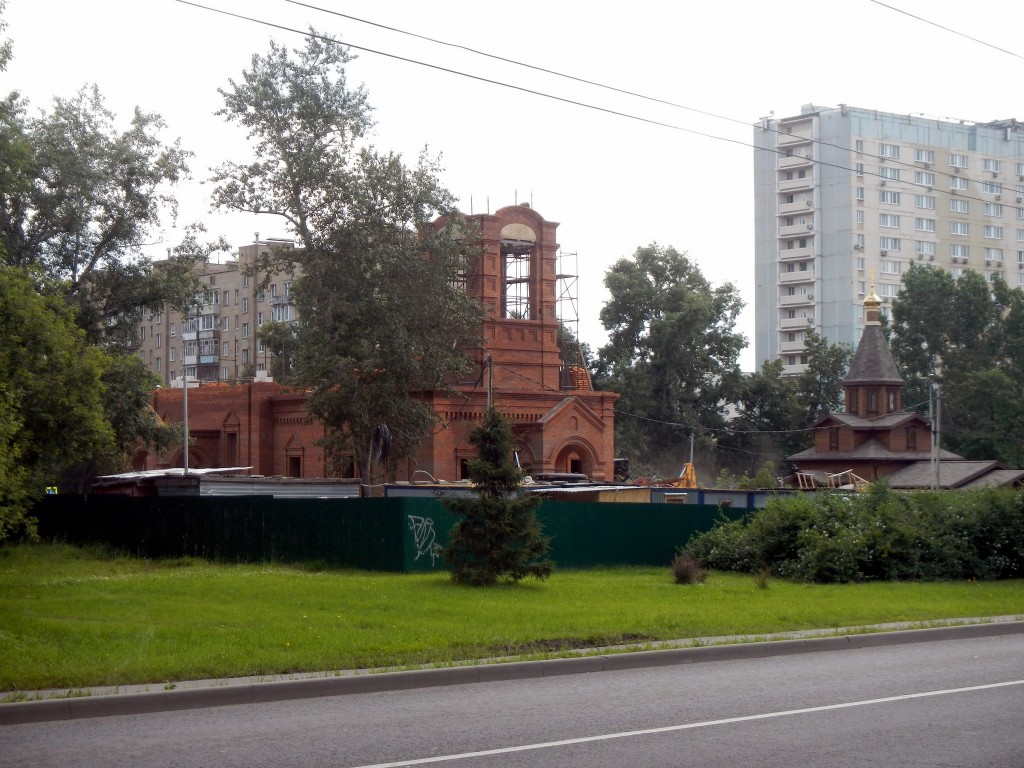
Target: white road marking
686,726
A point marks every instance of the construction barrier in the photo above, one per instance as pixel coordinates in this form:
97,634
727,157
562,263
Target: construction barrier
386,534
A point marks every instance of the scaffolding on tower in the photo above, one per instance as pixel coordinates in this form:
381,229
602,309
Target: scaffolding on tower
567,309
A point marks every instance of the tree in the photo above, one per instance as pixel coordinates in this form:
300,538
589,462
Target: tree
51,384
986,419
572,350
498,537
774,410
769,422
382,316
78,198
6,50
967,335
126,398
820,384
279,339
15,487
672,354
88,196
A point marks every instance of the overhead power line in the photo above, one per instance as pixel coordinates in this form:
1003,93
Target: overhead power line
605,86
471,76
947,29
573,102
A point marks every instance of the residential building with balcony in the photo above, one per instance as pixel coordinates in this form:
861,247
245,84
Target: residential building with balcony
846,195
217,341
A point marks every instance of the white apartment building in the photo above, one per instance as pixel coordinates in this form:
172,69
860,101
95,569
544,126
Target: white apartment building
217,341
846,196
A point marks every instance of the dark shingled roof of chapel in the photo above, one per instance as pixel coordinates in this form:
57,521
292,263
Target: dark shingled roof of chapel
872,362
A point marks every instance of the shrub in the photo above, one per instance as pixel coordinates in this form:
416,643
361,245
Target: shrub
687,570
878,535
729,546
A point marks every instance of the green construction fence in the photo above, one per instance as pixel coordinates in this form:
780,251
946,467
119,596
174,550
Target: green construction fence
387,534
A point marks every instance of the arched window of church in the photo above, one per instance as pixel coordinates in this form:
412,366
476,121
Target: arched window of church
517,258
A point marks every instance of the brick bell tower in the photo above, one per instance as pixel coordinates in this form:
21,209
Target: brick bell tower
560,424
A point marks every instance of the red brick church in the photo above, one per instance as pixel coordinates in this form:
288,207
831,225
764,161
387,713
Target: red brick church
560,423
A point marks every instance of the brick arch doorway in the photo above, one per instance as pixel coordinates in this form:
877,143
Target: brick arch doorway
197,459
139,459
576,458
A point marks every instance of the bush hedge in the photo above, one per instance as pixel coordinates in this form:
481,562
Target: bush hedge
877,535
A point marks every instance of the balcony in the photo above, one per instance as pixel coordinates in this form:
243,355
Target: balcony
792,139
805,299
797,160
794,185
799,276
795,254
795,323
792,347
800,206
793,370
796,230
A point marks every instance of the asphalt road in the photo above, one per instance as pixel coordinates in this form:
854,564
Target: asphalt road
948,703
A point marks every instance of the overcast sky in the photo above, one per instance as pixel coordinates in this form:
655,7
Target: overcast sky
669,174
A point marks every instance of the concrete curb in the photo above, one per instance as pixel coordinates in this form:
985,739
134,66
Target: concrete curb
77,708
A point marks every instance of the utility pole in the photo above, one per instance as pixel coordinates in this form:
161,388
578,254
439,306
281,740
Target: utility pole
184,416
490,382
937,431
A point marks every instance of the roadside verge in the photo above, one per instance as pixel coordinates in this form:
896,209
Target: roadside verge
217,693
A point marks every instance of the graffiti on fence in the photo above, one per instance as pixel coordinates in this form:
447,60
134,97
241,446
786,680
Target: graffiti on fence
425,537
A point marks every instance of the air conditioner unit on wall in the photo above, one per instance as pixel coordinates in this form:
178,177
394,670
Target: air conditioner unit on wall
858,247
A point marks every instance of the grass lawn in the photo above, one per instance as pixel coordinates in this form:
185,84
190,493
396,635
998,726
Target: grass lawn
74,618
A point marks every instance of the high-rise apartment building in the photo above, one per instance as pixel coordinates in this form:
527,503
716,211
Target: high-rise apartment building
845,197
217,340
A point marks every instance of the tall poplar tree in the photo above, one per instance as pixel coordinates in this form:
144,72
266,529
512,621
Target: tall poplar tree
672,354
382,315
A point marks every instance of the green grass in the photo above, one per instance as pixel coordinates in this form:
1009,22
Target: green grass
74,618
